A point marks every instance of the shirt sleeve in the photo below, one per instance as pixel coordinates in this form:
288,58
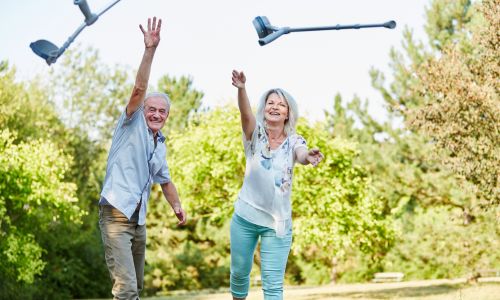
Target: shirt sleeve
126,121
163,175
123,121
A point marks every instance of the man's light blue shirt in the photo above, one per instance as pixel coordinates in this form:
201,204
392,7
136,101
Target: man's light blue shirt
134,164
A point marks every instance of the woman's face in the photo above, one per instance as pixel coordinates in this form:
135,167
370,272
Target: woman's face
276,110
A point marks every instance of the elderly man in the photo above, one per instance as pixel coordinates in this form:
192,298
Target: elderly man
136,161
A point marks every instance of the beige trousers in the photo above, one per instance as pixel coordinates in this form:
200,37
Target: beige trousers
124,249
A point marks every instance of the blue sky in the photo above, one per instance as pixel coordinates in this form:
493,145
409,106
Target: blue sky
207,39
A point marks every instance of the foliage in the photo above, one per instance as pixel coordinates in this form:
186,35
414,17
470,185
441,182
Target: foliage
193,257
437,245
461,106
206,162
411,173
449,22
404,176
185,100
33,195
24,108
67,249
207,165
90,115
75,263
334,204
425,169
90,94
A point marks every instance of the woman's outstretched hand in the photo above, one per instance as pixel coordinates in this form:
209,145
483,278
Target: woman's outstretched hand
239,79
314,157
152,35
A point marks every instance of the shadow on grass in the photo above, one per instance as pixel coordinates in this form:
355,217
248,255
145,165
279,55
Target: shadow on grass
416,292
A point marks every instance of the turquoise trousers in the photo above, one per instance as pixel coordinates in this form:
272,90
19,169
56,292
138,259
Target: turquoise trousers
273,252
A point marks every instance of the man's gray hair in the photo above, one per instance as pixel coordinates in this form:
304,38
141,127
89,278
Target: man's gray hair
293,113
160,95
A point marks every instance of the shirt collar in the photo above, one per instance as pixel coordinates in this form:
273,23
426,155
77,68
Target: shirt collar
161,137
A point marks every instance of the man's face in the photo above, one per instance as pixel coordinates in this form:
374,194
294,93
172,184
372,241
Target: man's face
156,113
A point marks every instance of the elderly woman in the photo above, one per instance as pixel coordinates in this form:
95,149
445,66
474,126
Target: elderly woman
263,207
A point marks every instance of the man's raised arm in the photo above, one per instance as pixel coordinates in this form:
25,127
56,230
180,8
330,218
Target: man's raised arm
151,41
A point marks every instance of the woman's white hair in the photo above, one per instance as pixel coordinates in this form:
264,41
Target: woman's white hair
159,95
293,112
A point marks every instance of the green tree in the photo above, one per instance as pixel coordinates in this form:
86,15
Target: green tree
447,22
90,94
24,108
69,261
438,245
185,100
68,250
207,163
333,205
336,207
460,110
411,174
397,159
33,197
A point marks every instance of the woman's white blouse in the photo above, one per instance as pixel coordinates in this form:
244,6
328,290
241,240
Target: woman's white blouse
264,198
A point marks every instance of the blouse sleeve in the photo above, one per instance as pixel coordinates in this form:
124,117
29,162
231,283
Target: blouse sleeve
299,141
250,145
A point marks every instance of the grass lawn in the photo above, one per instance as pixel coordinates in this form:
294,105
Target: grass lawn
444,289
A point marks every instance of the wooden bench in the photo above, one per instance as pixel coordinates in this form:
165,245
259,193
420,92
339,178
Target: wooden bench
485,273
388,277
489,273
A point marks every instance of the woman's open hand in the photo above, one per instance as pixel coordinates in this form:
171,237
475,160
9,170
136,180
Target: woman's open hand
239,79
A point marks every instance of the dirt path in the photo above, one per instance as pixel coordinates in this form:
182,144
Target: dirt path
441,289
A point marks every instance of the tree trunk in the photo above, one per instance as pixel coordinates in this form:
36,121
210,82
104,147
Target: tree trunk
334,269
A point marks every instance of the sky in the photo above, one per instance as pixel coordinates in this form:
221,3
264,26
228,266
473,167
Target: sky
208,39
